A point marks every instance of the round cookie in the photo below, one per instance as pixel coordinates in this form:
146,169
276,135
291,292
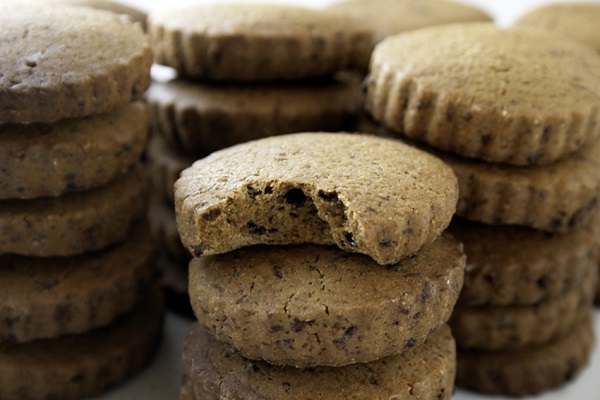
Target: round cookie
309,305
365,194
71,155
80,366
492,328
257,42
48,297
74,223
487,92
577,21
202,117
214,371
518,266
66,61
527,371
390,17
557,197
164,163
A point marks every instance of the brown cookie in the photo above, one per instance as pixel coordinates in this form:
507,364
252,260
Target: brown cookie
202,117
65,61
74,223
390,17
312,305
365,194
79,366
492,328
487,92
215,371
519,266
47,297
258,42
527,371
136,14
577,21
72,155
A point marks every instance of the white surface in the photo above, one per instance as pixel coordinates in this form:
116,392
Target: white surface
161,380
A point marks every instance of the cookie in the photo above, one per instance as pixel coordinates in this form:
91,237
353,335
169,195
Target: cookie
163,226
557,197
202,118
577,21
487,92
48,297
164,163
72,155
257,42
310,305
527,371
518,266
79,366
136,14
365,194
492,328
215,371
65,61
390,17
75,223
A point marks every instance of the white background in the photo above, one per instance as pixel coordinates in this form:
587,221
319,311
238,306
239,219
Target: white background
160,381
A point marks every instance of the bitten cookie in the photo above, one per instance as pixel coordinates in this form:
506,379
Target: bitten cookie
487,92
310,305
74,223
67,61
80,366
577,21
72,155
47,297
365,194
258,42
389,17
527,371
557,197
519,266
214,371
202,118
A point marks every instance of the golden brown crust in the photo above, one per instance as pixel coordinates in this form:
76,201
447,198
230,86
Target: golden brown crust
487,92
258,42
365,194
215,371
73,155
51,71
74,223
48,297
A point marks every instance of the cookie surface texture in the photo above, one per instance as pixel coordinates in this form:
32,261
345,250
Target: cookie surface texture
202,117
486,91
49,297
215,371
40,160
54,66
257,42
325,306
365,194
74,223
575,21
80,366
389,17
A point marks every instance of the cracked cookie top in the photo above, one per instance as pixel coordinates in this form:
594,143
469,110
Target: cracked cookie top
369,195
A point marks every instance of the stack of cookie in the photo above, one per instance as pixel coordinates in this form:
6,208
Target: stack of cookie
516,114
78,308
243,72
577,21
320,270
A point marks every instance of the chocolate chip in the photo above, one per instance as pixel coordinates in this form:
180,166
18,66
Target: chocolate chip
256,229
198,250
211,215
277,272
410,343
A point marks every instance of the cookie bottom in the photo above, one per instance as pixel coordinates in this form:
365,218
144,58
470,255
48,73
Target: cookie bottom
77,366
215,371
526,372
